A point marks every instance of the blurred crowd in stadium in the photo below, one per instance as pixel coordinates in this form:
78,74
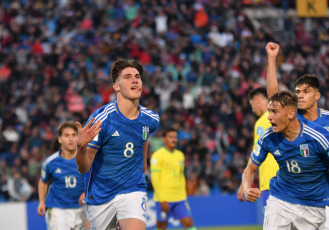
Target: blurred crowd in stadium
200,59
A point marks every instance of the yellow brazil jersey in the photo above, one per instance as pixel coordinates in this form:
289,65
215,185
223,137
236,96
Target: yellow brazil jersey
269,167
167,175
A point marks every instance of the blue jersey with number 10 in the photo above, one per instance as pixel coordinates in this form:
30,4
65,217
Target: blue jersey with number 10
303,164
65,182
118,163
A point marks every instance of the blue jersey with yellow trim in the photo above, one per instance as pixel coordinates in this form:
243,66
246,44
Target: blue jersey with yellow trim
303,164
118,163
322,119
65,182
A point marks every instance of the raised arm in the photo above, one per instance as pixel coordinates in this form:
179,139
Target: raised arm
272,50
251,194
85,156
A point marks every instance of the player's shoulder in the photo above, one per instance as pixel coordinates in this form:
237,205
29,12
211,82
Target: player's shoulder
104,112
267,135
315,131
179,152
324,113
158,153
51,159
150,113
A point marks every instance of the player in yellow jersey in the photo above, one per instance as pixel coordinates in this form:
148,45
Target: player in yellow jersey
258,100
168,180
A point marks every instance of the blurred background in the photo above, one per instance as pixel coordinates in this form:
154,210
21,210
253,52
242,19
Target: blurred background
201,57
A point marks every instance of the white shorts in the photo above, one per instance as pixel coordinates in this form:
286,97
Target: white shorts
66,219
123,206
283,215
326,227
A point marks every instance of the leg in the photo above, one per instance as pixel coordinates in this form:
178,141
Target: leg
103,216
162,217
81,221
58,219
132,211
276,216
162,225
132,224
182,211
187,223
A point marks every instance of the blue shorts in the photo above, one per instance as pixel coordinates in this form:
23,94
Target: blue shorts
177,210
264,196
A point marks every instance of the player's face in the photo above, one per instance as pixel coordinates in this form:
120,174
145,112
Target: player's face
129,83
278,116
254,103
170,140
68,139
307,96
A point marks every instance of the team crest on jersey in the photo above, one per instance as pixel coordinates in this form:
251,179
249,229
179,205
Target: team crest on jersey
146,132
304,150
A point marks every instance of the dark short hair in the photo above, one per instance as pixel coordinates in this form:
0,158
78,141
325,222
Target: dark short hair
285,98
121,64
67,124
309,79
261,91
168,131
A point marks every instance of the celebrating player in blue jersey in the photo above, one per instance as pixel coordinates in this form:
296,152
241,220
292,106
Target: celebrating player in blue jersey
64,183
307,89
300,191
112,150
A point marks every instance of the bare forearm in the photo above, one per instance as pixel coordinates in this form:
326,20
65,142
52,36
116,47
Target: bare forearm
42,190
247,179
82,159
272,81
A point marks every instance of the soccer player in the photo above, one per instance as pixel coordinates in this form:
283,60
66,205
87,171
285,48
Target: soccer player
300,190
112,150
62,204
258,101
168,180
307,90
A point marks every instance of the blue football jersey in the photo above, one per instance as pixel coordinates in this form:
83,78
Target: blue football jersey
303,164
118,164
66,184
322,120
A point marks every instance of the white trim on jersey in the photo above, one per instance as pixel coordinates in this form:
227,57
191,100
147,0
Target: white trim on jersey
265,134
52,157
317,136
325,112
150,114
103,115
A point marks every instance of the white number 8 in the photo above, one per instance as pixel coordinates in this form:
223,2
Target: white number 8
129,148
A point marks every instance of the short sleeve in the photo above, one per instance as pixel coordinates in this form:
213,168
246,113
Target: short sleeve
45,174
259,154
96,143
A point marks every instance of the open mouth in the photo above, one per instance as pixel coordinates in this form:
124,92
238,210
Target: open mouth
135,88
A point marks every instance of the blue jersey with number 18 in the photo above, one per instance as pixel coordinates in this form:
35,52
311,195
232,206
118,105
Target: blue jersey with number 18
118,164
303,164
